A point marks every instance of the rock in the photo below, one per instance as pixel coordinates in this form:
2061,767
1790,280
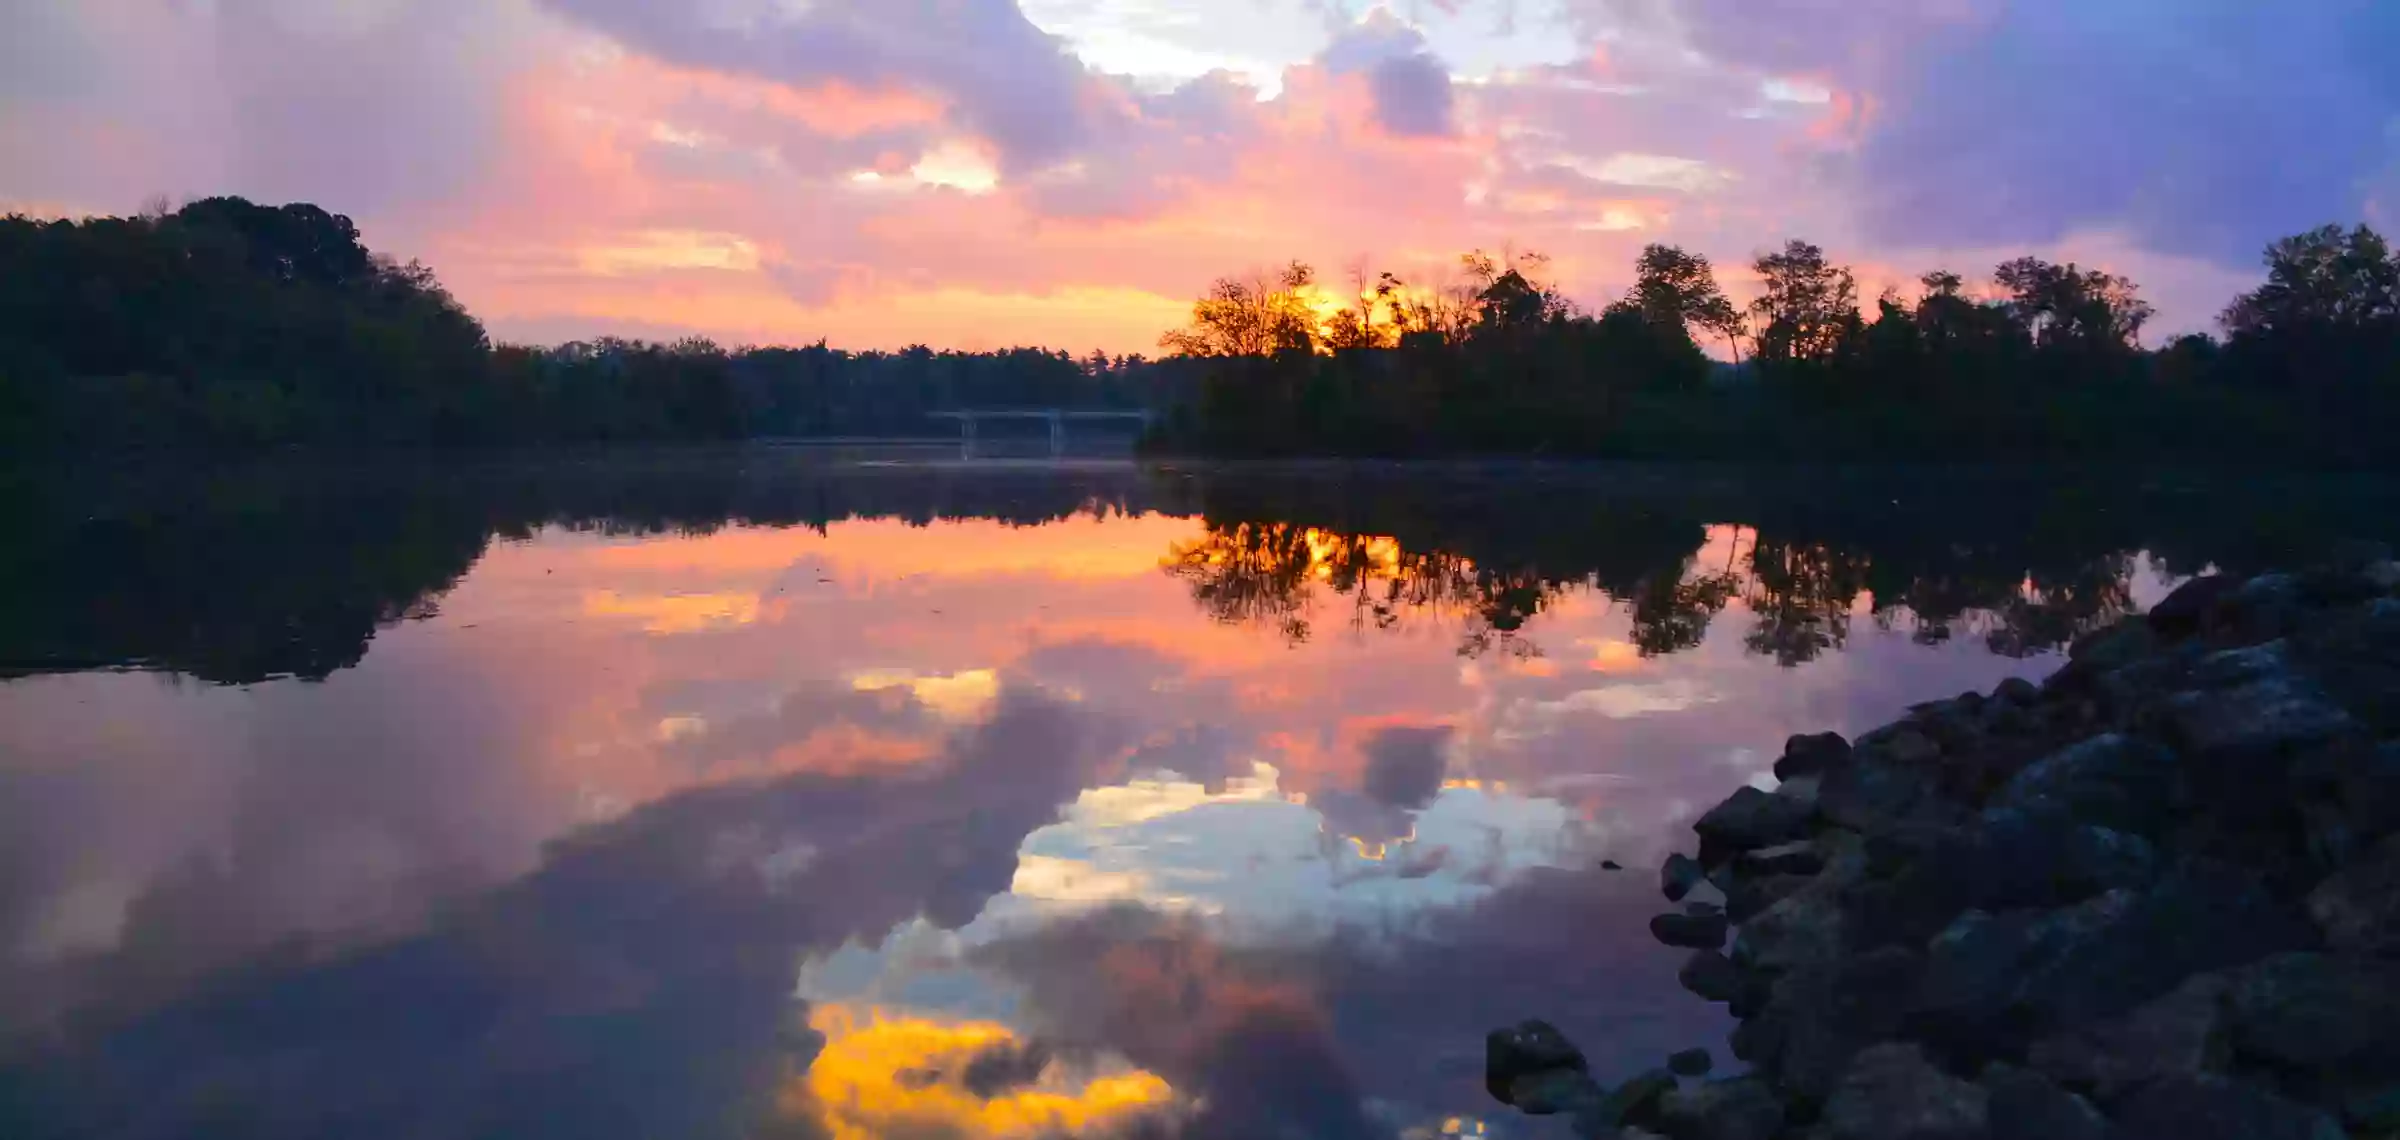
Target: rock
2261,609
2232,730
1611,865
1992,978
2184,1032
1893,1093
2350,798
2111,780
1679,874
1812,755
1810,924
2358,907
2185,610
2027,1106
2016,691
1691,1063
2382,575
1554,1092
1527,1049
1816,1019
1800,858
1751,896
1702,909
1907,745
1711,975
2318,1011
1699,931
2204,1106
1743,1108
1635,1102
1749,819
2373,1110
1873,794
2114,647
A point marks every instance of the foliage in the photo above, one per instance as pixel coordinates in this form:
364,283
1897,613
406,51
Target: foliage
2046,362
233,326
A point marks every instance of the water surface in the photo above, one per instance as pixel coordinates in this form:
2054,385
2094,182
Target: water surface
778,794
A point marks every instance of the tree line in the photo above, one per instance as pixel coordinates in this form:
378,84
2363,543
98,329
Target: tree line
231,325
2043,361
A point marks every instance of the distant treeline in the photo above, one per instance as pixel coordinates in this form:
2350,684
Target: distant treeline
231,325
2046,362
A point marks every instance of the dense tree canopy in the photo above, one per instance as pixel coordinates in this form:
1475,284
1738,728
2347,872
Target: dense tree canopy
231,325
2043,361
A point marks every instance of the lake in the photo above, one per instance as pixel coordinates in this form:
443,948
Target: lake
800,793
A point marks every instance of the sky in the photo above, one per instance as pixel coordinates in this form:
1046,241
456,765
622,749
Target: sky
1069,173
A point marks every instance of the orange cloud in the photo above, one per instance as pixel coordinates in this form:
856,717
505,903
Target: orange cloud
882,1074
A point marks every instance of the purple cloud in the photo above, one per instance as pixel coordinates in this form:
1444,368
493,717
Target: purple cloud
1007,80
1411,86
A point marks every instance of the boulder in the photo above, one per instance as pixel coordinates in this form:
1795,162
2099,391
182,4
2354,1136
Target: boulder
2185,610
1633,1103
1812,755
1711,975
1750,819
2015,691
2350,798
1743,1108
2319,1011
1874,794
2261,609
1530,1048
2182,1033
1816,1019
2027,1106
1749,896
1679,875
1810,924
1798,858
1978,968
2358,907
1698,931
2111,780
2205,1106
1891,1092
2233,731
1691,1063
1902,744
2201,916
2114,647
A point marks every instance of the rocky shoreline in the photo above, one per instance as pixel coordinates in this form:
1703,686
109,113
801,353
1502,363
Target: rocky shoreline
2156,896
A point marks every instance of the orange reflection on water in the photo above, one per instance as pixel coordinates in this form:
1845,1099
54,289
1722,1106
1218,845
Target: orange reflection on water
882,1074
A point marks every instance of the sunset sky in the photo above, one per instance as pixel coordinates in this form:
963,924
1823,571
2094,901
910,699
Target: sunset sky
980,173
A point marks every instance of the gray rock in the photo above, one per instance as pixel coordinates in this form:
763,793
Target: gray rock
1711,975
1907,745
1749,819
1978,968
2272,716
1812,755
2114,647
1893,1093
1698,931
1702,909
2185,609
1633,1103
2205,1106
2266,607
2027,1106
1816,1019
2015,691
1749,896
2373,1110
1743,1108
1679,874
1553,1092
2184,1032
2111,780
1874,794
1800,858
2318,1011
1526,1049
2349,798
2358,907
1811,924
1691,1063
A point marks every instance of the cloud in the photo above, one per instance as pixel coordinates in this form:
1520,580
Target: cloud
1411,86
1005,79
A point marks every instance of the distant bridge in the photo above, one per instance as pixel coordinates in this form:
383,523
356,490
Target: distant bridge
968,418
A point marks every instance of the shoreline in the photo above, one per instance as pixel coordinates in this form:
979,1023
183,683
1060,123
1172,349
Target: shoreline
2155,896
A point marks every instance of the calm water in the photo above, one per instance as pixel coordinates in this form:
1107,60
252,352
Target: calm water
785,795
